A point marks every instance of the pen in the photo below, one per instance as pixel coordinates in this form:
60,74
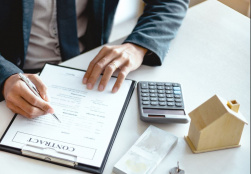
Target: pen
33,89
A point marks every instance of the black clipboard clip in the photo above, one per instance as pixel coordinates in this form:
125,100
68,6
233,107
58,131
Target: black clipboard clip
48,154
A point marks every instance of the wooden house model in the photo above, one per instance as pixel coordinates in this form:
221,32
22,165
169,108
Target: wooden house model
216,124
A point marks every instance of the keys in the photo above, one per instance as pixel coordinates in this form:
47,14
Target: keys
144,86
145,95
163,95
145,98
162,99
169,95
145,90
170,103
153,95
176,88
154,103
145,102
176,170
170,99
161,102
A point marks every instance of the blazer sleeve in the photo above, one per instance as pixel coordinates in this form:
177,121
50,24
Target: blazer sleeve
157,26
6,70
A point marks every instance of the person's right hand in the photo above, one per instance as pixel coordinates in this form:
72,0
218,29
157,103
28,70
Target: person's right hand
20,99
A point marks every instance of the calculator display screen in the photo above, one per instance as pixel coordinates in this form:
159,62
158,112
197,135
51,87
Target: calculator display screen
164,111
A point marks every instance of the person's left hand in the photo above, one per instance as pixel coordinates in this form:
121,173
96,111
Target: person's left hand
126,57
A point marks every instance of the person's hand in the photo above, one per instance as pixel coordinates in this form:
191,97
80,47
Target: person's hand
20,99
126,58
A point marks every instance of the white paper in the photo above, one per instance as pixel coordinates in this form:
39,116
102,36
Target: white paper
88,117
146,153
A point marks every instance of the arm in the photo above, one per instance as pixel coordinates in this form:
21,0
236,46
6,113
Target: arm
157,26
152,35
6,70
18,96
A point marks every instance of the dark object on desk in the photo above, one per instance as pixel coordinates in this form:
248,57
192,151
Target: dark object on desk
161,102
176,170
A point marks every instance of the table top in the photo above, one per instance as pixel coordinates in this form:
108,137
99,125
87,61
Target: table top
210,55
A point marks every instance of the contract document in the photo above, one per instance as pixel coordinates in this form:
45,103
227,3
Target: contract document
89,121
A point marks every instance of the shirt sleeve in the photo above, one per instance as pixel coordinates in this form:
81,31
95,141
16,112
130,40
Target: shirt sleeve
157,26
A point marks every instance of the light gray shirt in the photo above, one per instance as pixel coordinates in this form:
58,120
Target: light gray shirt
44,44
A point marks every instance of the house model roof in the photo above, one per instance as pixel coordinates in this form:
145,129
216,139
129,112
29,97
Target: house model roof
210,111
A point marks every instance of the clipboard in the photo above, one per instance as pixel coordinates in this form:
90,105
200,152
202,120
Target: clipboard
30,151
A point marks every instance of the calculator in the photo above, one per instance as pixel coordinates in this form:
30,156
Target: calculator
161,102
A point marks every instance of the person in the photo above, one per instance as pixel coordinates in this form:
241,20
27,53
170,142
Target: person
33,32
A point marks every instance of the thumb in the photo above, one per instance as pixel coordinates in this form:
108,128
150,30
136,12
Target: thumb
42,89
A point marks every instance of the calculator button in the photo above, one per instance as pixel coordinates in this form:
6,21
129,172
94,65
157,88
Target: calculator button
160,84
154,103
162,99
153,91
160,87
177,96
176,92
178,104
169,95
168,84
145,90
170,103
144,86
152,83
145,98
152,87
178,100
176,88
145,102
161,91
161,95
168,87
162,103
145,94
169,91
170,99
154,98
153,95
176,84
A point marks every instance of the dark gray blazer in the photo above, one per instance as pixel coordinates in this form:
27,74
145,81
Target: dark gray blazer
154,30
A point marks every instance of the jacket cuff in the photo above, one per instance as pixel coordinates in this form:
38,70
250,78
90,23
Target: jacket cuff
6,70
152,57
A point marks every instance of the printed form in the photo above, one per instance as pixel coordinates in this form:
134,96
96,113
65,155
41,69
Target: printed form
88,119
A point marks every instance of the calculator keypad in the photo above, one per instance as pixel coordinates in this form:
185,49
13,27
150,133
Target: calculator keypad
161,95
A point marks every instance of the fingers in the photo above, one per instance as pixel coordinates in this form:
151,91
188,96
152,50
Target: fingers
29,102
16,109
126,57
35,101
40,86
109,70
97,70
99,56
121,77
107,61
20,99
98,65
27,110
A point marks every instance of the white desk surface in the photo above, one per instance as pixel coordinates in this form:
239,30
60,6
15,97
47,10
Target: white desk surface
210,55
